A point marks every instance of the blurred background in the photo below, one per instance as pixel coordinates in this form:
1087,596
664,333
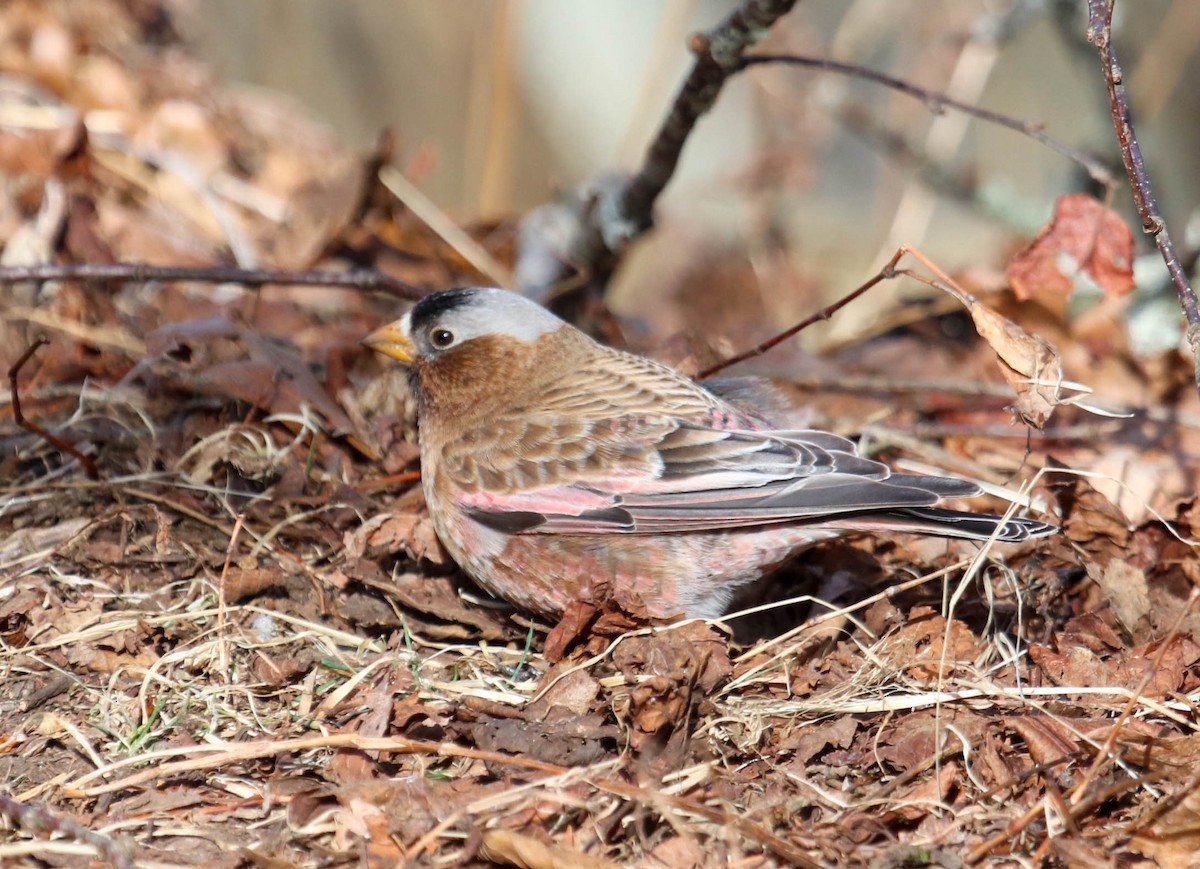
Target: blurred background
500,105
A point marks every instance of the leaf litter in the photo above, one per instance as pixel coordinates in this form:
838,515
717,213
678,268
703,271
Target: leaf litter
237,648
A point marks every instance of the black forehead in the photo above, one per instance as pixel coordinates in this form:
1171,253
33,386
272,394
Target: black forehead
433,306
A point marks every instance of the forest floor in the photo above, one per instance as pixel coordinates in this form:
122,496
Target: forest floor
234,640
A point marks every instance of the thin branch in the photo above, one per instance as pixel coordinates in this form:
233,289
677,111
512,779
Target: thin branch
360,279
1100,35
938,103
885,273
620,213
33,427
933,173
35,821
718,56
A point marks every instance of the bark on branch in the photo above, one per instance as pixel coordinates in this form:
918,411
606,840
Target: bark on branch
618,213
1100,35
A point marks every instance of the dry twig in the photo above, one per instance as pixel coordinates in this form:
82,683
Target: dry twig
1100,35
36,820
363,279
625,211
938,103
33,427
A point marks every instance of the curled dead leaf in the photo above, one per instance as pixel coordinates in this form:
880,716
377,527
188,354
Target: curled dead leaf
1030,364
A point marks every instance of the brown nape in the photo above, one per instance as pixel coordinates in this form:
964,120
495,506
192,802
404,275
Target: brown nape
485,373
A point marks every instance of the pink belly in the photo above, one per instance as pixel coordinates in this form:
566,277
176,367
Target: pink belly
692,574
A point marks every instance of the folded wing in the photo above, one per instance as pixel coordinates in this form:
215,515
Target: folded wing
655,475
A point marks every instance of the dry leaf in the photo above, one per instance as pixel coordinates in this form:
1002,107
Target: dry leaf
513,849
1030,365
1126,589
576,619
1084,239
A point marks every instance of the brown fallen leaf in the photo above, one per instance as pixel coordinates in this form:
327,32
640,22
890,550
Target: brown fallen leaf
668,673
1127,591
563,738
390,532
575,621
1173,840
221,357
570,688
245,581
921,800
911,742
1049,741
805,741
42,153
1083,240
1070,665
514,849
925,647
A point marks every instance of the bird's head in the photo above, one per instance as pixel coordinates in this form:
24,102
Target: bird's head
459,343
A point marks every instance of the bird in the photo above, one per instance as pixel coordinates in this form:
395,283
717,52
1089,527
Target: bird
558,470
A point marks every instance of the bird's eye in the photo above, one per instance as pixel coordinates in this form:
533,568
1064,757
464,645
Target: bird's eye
441,338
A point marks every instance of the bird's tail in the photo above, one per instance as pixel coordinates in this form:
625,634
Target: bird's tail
945,523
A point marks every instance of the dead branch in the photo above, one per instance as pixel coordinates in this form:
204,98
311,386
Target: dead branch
33,427
1100,35
621,213
360,279
938,102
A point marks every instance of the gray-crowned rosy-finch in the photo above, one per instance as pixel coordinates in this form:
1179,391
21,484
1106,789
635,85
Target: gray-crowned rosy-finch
560,470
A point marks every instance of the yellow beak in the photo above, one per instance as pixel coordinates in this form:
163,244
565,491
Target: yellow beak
392,340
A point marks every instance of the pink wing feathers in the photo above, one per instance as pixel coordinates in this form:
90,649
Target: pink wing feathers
642,450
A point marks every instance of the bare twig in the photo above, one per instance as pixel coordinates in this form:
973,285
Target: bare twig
33,427
718,54
1100,35
885,273
38,821
938,103
362,279
623,212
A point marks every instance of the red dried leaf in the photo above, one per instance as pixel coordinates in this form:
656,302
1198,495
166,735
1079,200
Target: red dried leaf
1084,238
575,621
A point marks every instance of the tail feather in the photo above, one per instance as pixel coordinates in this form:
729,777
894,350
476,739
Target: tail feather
946,523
